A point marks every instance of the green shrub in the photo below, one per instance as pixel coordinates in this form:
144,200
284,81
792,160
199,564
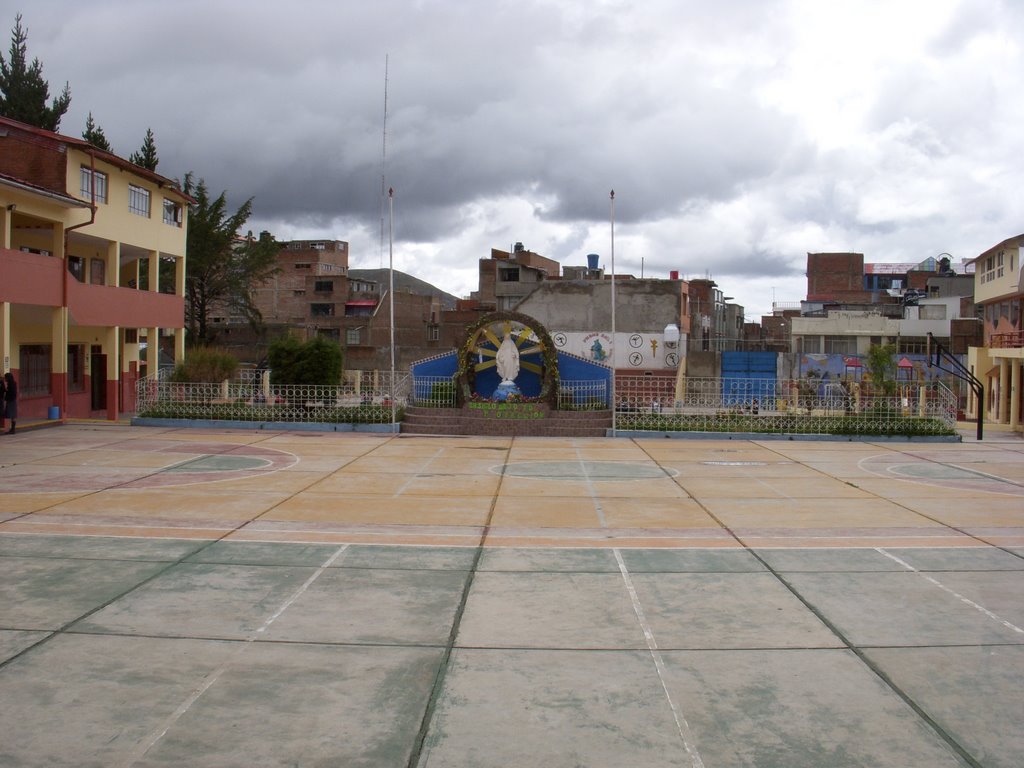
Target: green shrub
205,365
727,422
317,361
242,411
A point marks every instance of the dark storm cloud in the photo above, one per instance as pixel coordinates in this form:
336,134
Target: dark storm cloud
485,99
738,135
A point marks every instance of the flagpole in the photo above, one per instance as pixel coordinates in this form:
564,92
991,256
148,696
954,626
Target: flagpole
383,162
391,297
614,401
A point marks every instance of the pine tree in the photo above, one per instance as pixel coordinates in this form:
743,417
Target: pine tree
23,91
95,136
146,157
223,269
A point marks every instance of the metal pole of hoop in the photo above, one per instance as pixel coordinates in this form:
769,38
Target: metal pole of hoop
613,350
391,297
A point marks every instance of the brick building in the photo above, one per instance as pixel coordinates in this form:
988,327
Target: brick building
508,277
314,292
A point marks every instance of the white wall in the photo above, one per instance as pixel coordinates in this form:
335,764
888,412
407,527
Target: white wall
642,350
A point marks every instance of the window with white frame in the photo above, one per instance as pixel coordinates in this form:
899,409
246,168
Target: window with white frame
913,345
809,345
172,213
93,181
76,266
433,333
352,336
840,345
138,200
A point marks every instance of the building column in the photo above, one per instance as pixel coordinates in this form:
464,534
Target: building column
179,345
1015,394
6,216
179,290
179,276
153,276
1004,391
59,359
991,406
5,336
114,264
5,344
152,351
112,345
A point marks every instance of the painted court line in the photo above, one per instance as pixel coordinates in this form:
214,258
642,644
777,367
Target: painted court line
957,595
208,682
682,726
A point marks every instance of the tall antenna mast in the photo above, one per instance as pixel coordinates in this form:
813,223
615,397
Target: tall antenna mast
383,165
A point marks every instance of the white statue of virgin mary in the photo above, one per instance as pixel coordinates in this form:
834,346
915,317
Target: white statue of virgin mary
508,360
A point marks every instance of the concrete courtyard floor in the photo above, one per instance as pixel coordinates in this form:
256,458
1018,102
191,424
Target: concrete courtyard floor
175,597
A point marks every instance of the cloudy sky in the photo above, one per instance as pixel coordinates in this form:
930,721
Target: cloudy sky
738,135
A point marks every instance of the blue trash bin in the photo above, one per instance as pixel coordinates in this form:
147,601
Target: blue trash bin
54,412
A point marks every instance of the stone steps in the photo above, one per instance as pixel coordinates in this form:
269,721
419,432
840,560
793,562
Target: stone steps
521,420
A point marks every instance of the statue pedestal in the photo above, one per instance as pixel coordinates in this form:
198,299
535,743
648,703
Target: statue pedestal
505,389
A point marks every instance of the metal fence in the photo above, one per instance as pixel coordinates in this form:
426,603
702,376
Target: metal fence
433,392
805,406
439,392
250,397
584,395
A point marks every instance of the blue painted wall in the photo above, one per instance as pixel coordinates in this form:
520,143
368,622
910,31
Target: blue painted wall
570,368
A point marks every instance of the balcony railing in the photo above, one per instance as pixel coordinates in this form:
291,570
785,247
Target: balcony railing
1010,340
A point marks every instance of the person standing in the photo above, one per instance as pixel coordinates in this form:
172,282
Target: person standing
11,400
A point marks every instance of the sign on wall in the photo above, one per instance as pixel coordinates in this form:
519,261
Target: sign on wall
643,350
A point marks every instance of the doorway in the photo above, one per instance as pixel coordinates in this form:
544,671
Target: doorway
98,374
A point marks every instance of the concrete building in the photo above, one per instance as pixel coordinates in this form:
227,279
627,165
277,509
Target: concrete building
87,240
708,317
316,293
508,277
998,362
852,332
776,330
310,290
844,279
578,315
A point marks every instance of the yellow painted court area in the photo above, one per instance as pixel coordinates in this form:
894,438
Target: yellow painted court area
242,598
543,492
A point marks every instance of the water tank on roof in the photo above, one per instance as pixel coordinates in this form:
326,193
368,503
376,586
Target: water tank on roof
592,260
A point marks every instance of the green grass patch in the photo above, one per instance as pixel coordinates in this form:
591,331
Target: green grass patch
790,424
356,414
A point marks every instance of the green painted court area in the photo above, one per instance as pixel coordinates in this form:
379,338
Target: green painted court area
218,464
168,652
200,598
595,471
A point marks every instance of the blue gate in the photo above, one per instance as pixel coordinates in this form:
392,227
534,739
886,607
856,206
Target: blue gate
748,376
